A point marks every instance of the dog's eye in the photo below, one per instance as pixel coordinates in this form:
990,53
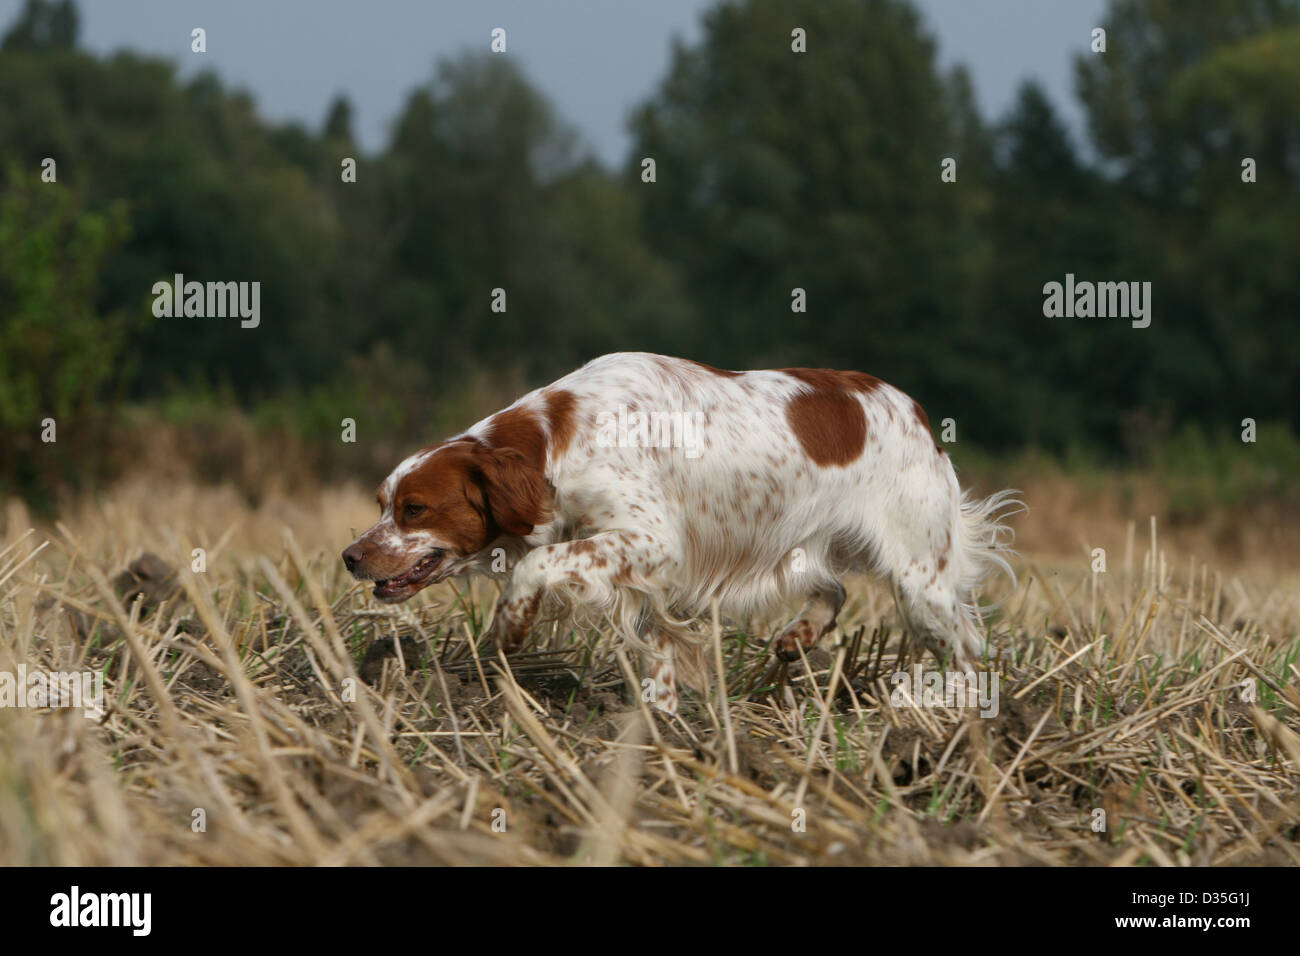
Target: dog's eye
411,510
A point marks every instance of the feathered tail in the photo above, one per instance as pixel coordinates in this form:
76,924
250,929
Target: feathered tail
983,543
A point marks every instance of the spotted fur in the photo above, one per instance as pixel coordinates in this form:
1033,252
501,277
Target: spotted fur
795,477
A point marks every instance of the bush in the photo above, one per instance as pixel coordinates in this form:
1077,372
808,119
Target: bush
59,358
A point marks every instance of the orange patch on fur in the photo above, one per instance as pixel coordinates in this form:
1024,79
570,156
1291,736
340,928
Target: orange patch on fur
521,429
826,379
561,406
453,500
827,418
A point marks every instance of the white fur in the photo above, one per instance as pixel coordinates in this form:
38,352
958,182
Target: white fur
752,520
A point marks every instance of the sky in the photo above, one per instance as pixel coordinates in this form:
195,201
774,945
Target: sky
595,59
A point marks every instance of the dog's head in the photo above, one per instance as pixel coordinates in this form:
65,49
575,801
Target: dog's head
440,509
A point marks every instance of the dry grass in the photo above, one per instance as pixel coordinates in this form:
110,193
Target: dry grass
311,726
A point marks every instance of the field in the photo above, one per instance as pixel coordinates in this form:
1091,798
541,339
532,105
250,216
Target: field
266,711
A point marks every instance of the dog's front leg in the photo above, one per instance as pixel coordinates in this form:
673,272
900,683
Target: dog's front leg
588,571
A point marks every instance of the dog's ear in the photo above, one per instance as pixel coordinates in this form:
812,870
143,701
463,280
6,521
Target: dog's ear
517,494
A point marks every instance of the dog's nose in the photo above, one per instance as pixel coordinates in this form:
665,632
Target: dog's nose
351,557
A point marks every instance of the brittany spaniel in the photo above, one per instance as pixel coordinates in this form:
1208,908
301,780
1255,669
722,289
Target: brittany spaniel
640,487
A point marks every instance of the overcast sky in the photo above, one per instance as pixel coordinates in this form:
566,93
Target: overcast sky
595,59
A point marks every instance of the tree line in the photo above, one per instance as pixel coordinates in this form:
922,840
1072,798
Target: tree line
920,232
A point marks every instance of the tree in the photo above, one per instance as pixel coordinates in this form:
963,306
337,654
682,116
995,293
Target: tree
60,357
338,122
779,170
44,25
1184,95
1136,116
487,189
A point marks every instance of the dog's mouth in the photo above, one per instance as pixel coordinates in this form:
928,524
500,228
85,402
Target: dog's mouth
408,582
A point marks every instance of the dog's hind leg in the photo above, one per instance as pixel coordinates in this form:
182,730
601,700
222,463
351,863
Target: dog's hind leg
815,619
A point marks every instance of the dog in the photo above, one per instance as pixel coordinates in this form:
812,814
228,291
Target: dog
642,488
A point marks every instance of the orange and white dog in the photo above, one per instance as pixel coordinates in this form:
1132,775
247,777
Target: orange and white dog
643,487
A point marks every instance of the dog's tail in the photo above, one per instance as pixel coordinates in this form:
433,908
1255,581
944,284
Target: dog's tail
984,537
982,545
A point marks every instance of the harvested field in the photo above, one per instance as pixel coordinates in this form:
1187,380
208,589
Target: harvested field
266,711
